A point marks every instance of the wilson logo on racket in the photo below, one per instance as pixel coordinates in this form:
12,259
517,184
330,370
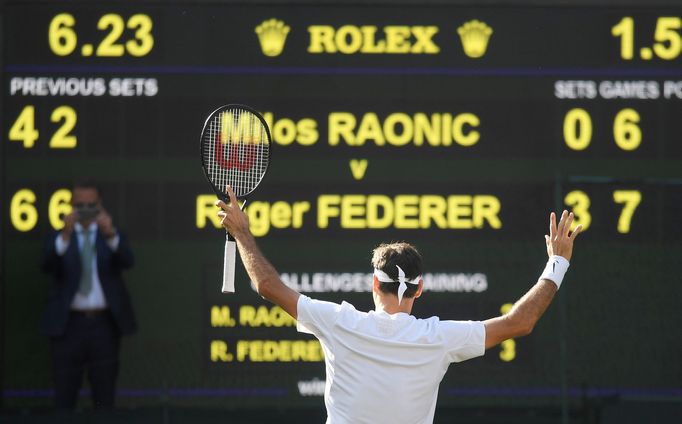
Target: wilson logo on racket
242,134
239,157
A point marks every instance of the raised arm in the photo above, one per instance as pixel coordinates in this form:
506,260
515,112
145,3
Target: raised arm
526,312
264,276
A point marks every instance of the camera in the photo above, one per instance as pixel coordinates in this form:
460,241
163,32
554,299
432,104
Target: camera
86,211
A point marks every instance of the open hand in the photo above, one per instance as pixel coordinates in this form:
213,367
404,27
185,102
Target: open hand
560,239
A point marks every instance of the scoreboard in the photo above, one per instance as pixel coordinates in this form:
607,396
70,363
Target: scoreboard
455,128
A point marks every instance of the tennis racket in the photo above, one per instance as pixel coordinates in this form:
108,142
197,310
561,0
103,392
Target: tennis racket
235,151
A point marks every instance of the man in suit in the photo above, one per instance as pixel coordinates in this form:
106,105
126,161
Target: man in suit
88,307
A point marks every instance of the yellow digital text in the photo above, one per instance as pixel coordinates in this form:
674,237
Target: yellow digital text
251,316
409,211
401,129
286,131
267,351
367,39
262,215
373,211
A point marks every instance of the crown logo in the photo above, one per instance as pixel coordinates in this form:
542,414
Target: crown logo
272,34
475,36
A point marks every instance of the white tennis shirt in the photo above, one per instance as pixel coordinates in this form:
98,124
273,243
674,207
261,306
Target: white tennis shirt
385,368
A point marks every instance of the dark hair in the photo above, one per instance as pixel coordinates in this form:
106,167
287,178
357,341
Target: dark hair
386,256
87,184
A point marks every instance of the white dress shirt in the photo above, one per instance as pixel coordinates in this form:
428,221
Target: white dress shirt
95,299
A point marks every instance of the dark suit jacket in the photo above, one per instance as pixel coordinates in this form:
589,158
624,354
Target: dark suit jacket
66,271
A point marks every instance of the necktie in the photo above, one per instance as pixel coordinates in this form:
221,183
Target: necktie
87,255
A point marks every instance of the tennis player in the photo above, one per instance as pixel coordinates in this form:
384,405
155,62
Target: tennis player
385,366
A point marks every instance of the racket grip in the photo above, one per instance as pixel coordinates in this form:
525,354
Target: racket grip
228,266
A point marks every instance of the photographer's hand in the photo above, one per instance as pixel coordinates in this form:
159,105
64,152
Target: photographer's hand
105,224
69,221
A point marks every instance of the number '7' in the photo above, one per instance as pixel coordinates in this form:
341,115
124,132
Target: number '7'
579,201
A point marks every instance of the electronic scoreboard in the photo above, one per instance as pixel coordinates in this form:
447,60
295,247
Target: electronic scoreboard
457,129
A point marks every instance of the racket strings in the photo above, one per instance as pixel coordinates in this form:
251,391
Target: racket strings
236,158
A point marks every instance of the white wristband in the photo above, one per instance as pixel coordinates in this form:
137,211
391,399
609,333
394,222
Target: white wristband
555,270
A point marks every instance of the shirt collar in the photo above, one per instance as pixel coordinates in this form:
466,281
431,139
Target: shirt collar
397,315
79,227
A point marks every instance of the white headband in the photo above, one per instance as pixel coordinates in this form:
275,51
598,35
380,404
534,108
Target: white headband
384,278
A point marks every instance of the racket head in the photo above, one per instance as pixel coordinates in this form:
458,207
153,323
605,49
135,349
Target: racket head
235,149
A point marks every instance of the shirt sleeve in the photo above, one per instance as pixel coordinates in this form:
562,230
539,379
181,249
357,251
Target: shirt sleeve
113,242
464,339
60,246
316,317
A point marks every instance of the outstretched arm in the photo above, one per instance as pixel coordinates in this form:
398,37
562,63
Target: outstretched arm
526,312
264,276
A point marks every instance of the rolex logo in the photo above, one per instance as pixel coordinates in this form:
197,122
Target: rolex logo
272,34
475,36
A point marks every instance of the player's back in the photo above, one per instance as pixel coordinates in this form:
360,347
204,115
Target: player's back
386,368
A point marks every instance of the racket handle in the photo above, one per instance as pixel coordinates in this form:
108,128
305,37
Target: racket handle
228,265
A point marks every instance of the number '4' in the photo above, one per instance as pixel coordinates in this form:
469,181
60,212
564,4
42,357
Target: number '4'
24,129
